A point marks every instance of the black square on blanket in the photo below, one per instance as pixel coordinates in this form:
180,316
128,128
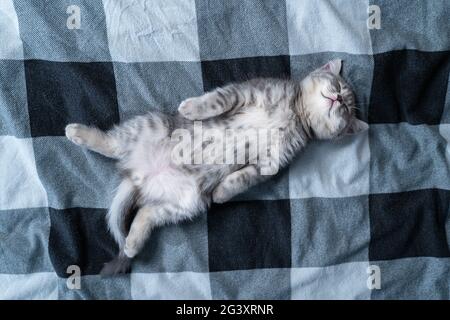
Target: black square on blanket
63,92
249,235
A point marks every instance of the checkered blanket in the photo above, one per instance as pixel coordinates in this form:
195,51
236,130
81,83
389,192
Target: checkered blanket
366,217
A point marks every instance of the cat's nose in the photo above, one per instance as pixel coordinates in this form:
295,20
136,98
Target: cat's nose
339,98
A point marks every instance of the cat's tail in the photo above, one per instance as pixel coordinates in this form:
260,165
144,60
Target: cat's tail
121,210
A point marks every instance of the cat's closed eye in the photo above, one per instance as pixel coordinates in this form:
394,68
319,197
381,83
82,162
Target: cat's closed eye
337,87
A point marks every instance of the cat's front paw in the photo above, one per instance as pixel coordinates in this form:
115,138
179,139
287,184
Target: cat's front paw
220,195
191,108
76,133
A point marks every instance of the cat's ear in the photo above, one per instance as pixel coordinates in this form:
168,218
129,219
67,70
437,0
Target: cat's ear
333,66
357,126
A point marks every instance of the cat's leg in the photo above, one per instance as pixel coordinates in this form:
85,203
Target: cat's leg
146,219
235,183
139,232
93,139
229,98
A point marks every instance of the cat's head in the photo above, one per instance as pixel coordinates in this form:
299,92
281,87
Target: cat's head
329,103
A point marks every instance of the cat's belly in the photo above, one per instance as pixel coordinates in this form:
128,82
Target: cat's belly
157,179
172,186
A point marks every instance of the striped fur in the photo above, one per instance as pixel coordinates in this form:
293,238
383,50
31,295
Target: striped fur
319,107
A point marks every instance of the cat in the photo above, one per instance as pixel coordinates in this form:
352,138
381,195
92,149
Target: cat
160,190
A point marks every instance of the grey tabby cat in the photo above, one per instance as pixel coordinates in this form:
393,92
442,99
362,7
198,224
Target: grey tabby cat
160,191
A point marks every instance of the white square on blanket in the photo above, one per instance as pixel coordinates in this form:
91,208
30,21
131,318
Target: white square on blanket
170,286
32,286
20,186
147,31
332,169
324,26
11,43
348,281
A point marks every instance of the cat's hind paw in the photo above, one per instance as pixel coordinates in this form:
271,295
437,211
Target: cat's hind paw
76,133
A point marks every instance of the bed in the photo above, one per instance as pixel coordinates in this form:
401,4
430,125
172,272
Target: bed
365,217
